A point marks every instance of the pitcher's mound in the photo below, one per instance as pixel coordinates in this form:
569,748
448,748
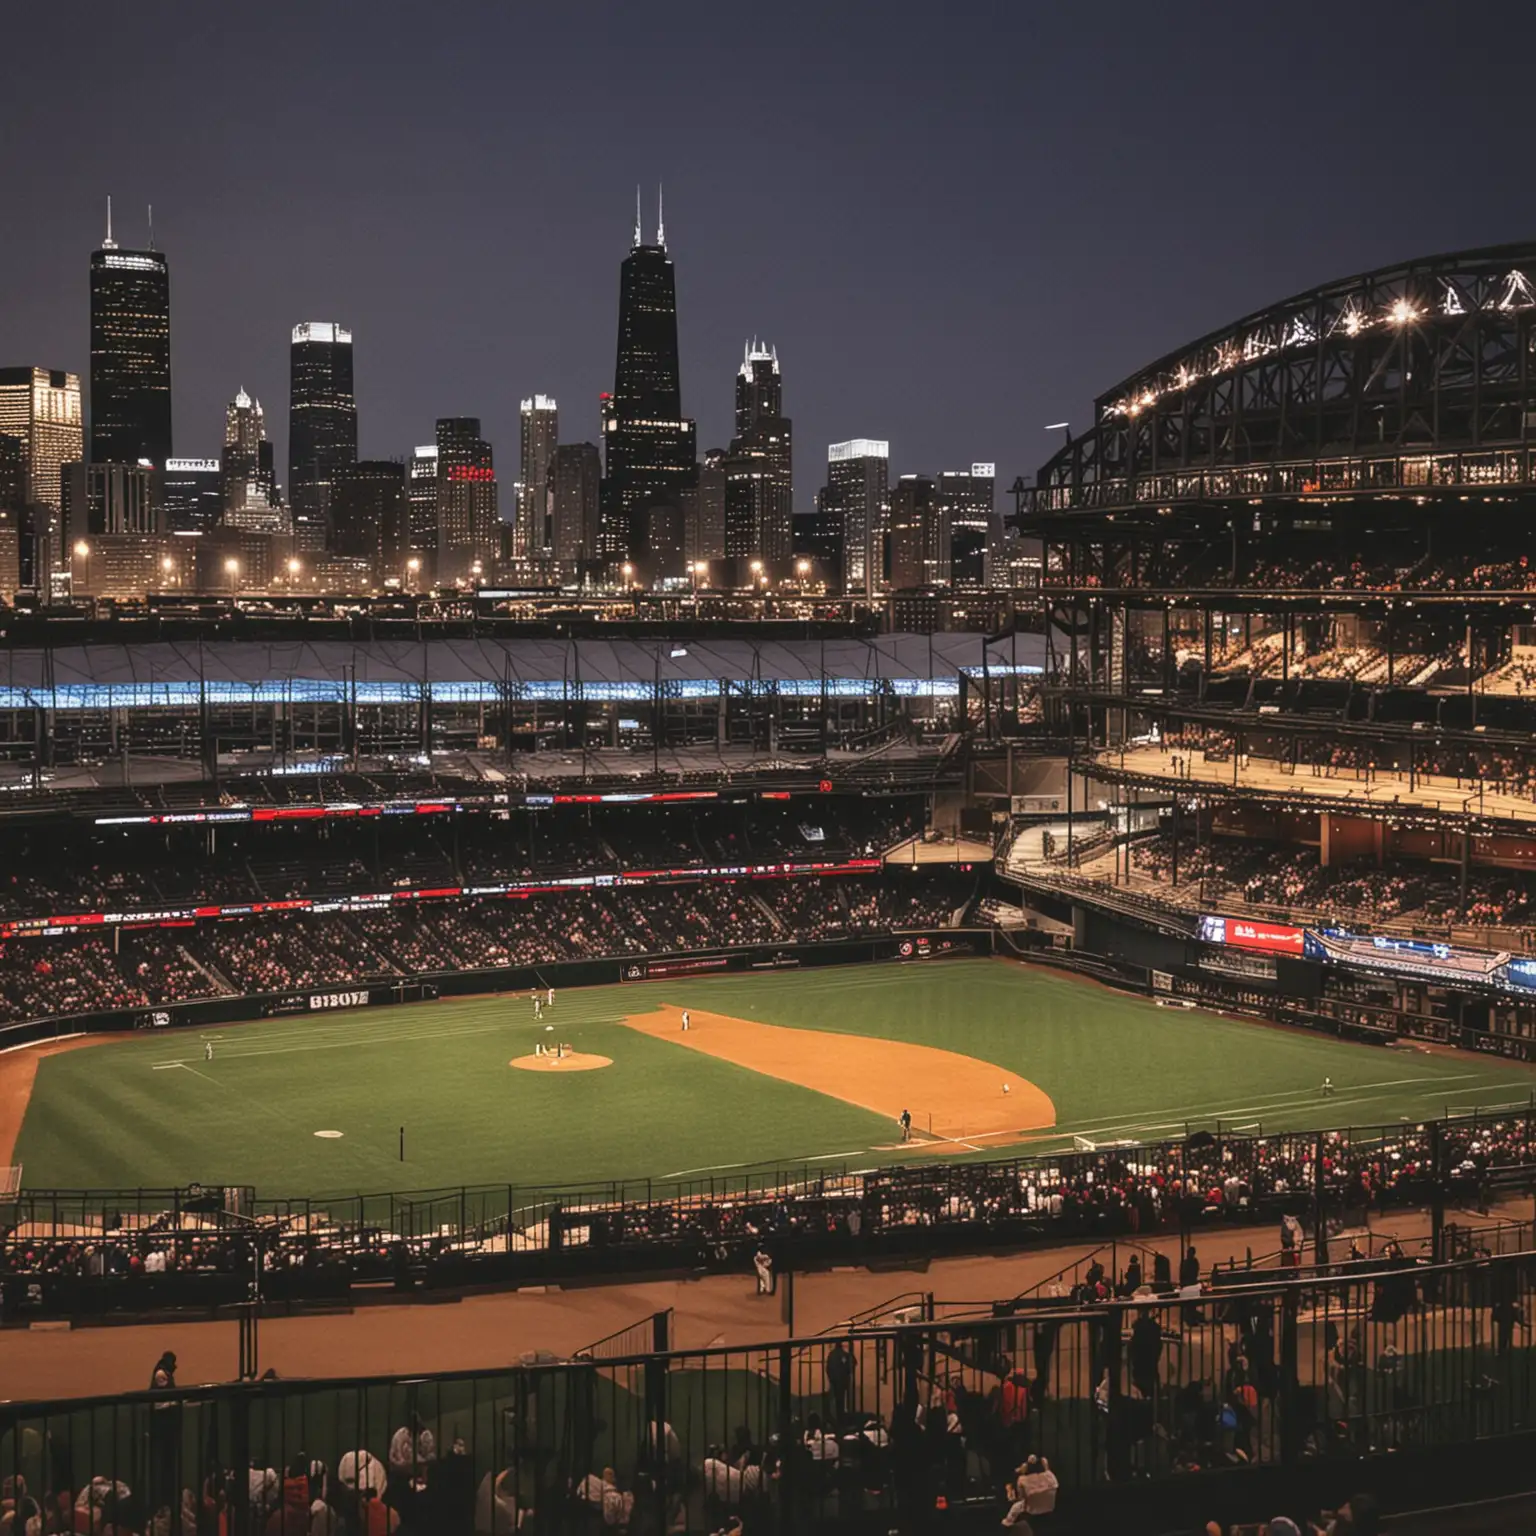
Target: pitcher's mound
572,1061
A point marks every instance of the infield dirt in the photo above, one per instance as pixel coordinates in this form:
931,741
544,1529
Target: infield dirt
953,1098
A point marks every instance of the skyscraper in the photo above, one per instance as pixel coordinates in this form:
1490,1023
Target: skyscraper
704,507
194,495
130,355
919,535
421,488
759,477
13,473
576,480
468,525
649,446
967,506
533,535
42,408
370,516
111,500
857,504
249,477
322,424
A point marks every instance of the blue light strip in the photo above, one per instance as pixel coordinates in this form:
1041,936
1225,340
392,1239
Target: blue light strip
302,690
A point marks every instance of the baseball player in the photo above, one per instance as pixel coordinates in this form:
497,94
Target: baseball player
686,1024
905,1122
208,1050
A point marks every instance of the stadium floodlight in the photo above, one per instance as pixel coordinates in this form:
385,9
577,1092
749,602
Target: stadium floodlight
678,650
1057,426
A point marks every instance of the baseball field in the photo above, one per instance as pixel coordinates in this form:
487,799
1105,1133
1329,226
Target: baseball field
987,1055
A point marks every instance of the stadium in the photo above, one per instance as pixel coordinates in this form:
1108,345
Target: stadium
1151,984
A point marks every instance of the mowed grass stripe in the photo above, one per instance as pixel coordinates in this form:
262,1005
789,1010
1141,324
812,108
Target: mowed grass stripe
1114,1065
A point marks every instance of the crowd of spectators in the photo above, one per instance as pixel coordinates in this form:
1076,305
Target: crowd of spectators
285,951
1206,564
1285,875
49,871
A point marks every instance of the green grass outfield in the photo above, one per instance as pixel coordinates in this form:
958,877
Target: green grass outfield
149,1112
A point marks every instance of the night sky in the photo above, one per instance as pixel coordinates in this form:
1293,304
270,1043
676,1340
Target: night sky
957,222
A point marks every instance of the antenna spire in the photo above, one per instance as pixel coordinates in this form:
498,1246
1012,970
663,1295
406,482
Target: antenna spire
661,219
151,226
637,214
109,244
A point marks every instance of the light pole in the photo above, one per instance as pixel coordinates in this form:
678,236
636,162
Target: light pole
412,571
232,569
83,554
167,566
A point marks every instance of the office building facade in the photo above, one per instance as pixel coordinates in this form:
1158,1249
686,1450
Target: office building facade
704,515
111,499
421,491
192,491
649,447
967,504
856,505
322,425
130,356
919,535
759,469
42,408
539,437
370,518
250,477
468,521
13,473
576,494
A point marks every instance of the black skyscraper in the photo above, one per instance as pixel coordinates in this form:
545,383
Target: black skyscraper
759,476
130,355
322,425
650,449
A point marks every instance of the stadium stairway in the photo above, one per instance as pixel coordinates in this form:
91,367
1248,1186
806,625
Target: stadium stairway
768,912
218,982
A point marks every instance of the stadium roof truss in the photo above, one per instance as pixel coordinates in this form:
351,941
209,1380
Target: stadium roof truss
172,676
1405,379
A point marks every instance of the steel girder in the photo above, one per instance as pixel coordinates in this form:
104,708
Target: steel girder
1418,375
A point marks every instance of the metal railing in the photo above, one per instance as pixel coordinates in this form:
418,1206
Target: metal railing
807,1434
76,1253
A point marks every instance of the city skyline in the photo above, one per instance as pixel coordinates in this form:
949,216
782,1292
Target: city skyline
966,273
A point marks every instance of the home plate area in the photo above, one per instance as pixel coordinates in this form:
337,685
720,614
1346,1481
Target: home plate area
954,1100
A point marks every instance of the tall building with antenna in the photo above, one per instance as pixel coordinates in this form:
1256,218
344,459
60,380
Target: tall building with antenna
130,398
649,447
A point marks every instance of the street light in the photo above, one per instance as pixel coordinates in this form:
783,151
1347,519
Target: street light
629,572
232,568
413,568
83,552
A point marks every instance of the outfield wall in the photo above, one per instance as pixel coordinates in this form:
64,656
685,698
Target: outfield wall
917,945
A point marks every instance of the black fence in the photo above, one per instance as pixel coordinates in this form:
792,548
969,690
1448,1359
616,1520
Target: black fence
877,1429
82,1253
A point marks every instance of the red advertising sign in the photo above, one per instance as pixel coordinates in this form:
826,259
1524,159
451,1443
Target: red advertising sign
1273,938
